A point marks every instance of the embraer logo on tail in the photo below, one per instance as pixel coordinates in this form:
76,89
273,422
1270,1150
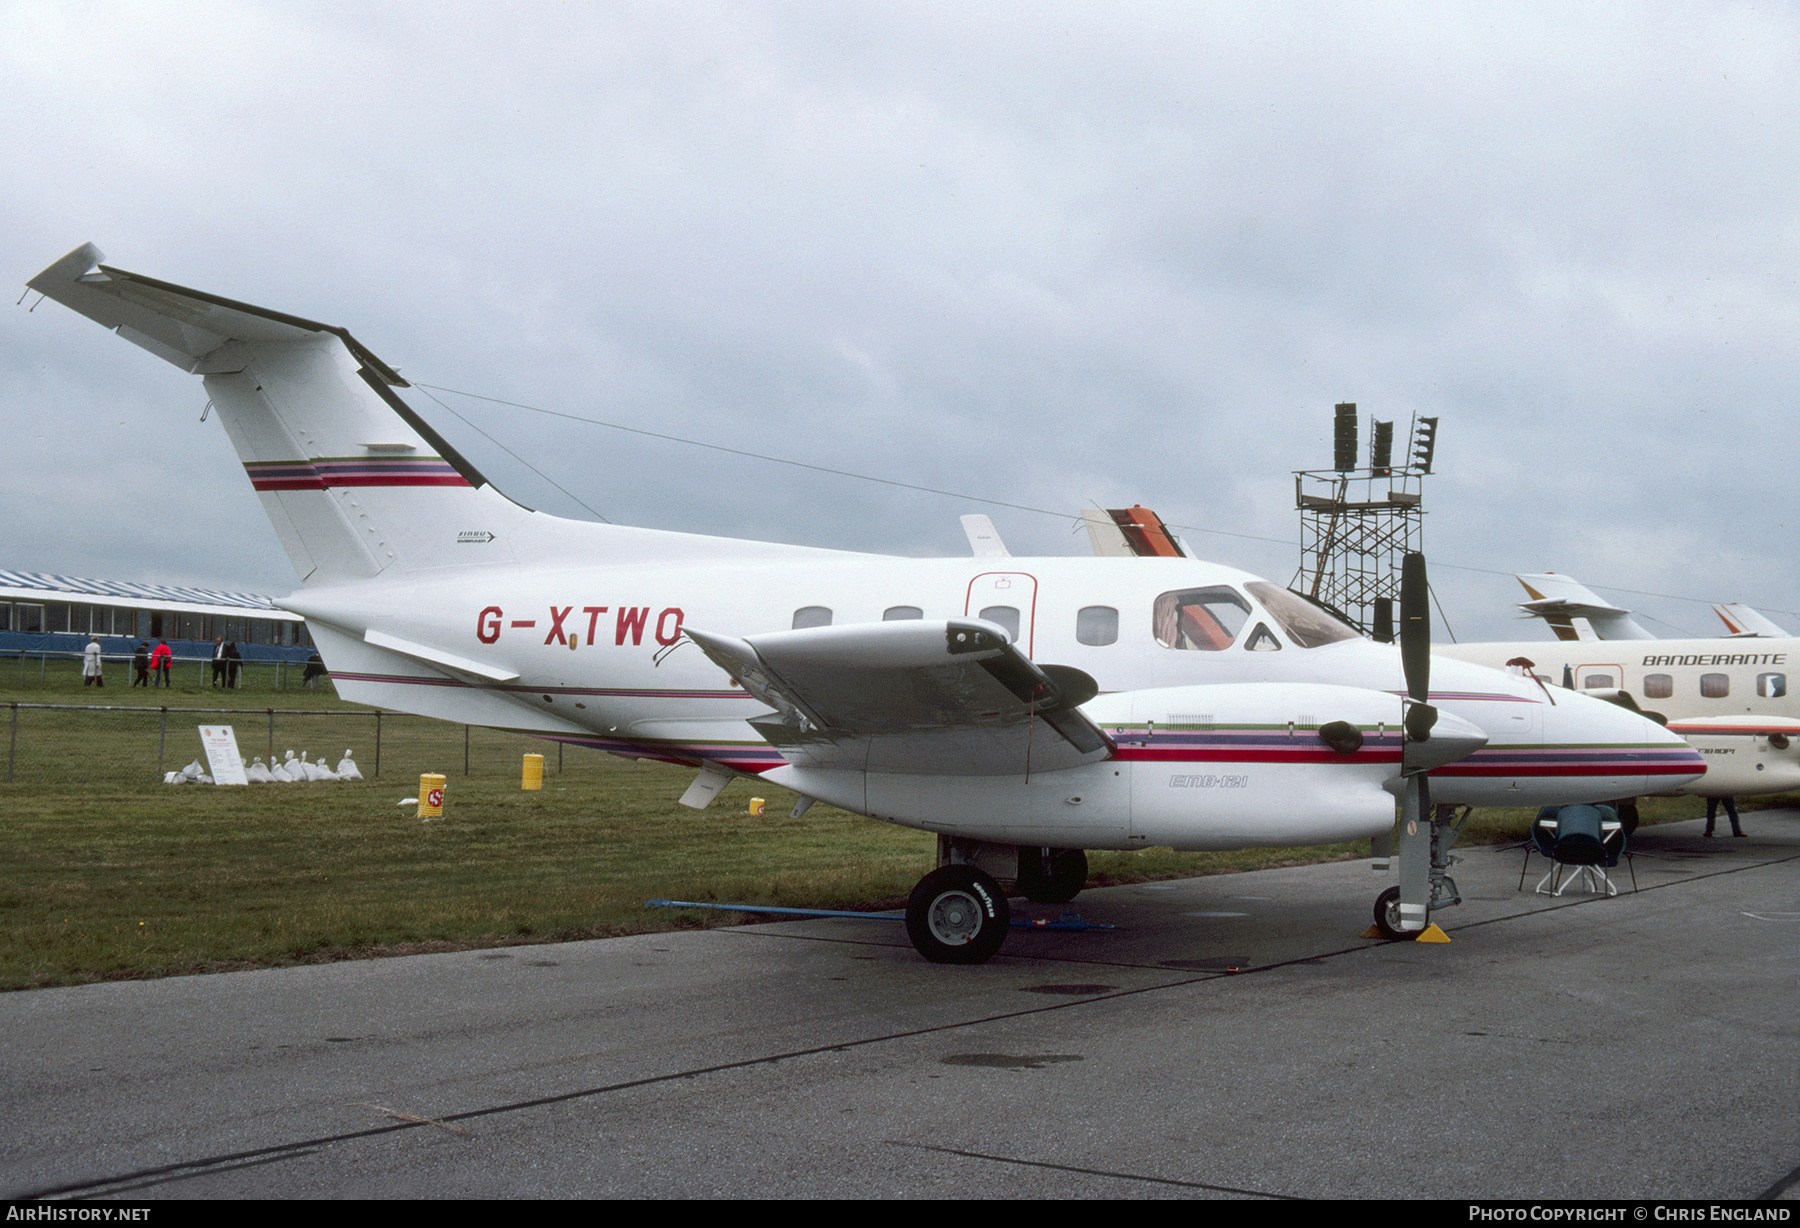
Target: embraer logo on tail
627,621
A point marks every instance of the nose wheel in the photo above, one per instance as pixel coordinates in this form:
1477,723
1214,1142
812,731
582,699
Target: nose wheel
1446,826
1387,916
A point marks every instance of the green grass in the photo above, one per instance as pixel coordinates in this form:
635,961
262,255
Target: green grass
109,880
159,880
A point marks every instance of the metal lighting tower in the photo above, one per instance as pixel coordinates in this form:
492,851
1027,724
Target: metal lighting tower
1356,522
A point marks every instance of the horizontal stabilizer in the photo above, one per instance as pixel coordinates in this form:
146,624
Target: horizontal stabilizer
186,327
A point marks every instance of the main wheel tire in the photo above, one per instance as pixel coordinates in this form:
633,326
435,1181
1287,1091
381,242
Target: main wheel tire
1387,916
957,915
1067,874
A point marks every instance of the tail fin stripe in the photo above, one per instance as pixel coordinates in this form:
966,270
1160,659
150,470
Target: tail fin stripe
325,474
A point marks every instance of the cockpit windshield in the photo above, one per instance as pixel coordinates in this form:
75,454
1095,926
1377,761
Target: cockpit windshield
1207,619
1307,625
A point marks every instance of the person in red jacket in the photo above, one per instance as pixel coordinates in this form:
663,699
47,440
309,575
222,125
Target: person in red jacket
160,658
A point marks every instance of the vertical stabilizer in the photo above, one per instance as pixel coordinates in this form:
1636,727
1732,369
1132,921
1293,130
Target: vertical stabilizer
353,480
1744,621
1558,600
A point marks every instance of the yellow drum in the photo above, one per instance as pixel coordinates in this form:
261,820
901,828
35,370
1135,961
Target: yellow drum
431,797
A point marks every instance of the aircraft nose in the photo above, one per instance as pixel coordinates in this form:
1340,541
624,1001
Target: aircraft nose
1619,742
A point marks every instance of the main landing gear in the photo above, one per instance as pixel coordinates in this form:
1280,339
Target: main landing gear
959,915
1051,876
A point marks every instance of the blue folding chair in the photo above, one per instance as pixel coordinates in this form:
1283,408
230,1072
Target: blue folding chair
1582,843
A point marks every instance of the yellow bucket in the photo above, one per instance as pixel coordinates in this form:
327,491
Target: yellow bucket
534,773
431,796
756,805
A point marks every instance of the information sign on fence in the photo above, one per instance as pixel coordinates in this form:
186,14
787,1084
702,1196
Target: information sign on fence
222,756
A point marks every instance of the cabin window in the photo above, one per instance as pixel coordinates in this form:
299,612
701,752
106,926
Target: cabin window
1597,682
1307,624
1771,686
1715,686
1659,686
1097,625
812,616
898,613
1202,619
1005,616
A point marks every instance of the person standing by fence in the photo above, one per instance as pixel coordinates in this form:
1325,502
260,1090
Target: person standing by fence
140,665
90,664
160,659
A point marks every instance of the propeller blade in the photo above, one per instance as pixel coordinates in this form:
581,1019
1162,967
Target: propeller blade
1415,853
1418,758
1415,627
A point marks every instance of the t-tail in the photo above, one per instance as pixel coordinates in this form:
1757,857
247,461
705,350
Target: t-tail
1558,600
355,483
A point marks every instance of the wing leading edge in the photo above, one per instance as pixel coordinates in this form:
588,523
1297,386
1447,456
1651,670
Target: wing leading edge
913,697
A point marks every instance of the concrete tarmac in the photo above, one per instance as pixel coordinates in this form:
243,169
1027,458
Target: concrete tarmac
1233,1037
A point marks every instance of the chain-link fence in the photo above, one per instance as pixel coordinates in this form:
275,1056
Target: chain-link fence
87,744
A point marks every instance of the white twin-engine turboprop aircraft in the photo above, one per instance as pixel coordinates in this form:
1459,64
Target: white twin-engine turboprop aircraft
1186,704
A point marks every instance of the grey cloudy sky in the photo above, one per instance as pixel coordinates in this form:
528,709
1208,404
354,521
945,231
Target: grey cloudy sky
1042,254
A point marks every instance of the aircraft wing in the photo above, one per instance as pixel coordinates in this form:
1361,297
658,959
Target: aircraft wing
914,697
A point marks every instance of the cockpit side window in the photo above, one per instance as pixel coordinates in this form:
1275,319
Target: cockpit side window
1202,619
1262,640
1308,625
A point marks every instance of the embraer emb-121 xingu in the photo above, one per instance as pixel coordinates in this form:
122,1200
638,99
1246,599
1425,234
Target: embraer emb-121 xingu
1184,704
